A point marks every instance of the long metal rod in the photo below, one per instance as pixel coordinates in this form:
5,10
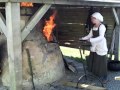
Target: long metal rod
85,72
82,59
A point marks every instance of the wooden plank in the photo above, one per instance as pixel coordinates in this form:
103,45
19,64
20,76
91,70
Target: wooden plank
107,3
116,47
84,86
117,39
35,1
74,26
110,1
34,20
117,77
49,1
2,24
119,44
1,30
4,0
14,45
87,3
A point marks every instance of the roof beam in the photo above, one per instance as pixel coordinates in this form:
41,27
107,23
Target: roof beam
4,0
111,1
105,3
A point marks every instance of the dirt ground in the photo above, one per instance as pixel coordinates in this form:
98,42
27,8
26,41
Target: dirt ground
70,76
112,84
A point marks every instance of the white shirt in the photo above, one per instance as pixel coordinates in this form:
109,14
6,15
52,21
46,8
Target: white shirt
99,44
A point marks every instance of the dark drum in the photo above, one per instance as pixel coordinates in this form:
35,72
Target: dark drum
114,65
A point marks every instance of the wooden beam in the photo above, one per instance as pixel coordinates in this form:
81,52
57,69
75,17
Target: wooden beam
1,30
115,16
104,3
119,44
118,13
117,38
3,25
83,86
34,20
112,45
14,45
117,77
110,1
116,43
4,0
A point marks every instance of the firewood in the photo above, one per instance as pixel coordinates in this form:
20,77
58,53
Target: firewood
117,78
83,86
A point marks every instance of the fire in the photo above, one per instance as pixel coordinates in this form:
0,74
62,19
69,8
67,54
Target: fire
26,4
49,26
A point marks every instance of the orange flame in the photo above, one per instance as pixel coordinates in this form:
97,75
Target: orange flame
49,26
26,4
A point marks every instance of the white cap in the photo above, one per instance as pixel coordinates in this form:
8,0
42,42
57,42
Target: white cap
98,16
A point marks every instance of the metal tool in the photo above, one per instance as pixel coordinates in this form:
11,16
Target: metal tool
86,74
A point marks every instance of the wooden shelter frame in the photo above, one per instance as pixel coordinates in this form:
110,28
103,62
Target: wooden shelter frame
15,36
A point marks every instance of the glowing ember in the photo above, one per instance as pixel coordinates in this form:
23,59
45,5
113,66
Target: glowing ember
26,4
49,26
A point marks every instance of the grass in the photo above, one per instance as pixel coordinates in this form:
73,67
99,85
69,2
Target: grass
73,53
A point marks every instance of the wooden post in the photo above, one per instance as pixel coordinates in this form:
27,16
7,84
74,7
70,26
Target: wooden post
14,45
116,46
117,38
118,11
115,16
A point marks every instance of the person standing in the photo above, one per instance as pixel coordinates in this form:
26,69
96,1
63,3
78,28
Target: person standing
97,63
